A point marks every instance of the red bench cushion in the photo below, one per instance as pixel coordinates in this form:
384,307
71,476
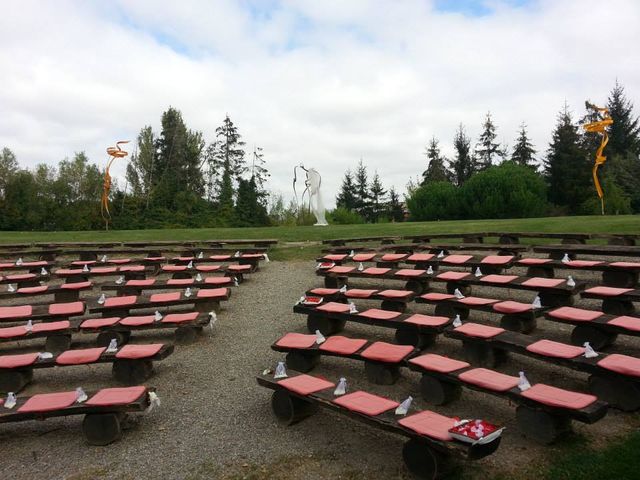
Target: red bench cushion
498,278
378,314
174,268
477,301
438,363
120,301
360,293
209,268
430,424
456,259
141,283
220,293
582,263
305,384
534,261
78,357
18,361
100,322
109,397
76,285
623,364
180,317
375,271
408,272
539,282
334,307
119,261
335,257
489,379
22,276
395,294
324,291
219,258
217,280
297,340
427,320
625,321
452,275
550,348
497,259
165,297
512,307
557,397
393,257
436,297
104,270
574,314
47,402
138,321
21,311
31,290
364,257
133,352
50,326
132,268
341,269
420,257
478,330
72,308
12,332
342,345
608,291
625,264
387,352
365,403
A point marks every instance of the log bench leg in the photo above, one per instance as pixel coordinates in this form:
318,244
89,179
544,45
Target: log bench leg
424,462
617,307
508,239
517,323
618,393
417,286
181,275
557,255
334,282
135,275
620,279
464,289
67,296
15,380
213,306
302,362
239,277
444,310
549,299
327,326
541,426
102,428
538,271
394,306
438,392
596,337
483,355
185,335
132,372
407,336
57,343
624,241
289,409
381,373
104,338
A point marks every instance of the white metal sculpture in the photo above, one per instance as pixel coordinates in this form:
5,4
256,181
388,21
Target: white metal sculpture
313,182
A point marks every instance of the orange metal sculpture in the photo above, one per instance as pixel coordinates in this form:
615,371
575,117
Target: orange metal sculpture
114,152
600,127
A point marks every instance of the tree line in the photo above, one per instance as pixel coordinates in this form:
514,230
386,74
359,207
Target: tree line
173,179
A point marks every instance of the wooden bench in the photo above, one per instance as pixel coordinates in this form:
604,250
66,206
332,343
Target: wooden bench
136,287
558,252
614,274
53,311
63,292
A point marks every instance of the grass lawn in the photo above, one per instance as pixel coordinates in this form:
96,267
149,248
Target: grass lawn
300,235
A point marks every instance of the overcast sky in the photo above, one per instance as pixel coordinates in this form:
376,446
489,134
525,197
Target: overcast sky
322,82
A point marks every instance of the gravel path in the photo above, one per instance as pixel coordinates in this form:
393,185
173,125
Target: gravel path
215,422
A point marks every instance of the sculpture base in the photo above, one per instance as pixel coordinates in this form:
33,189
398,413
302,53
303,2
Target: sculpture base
320,224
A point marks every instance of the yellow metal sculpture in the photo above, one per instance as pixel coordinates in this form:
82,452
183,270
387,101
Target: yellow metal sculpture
114,152
599,126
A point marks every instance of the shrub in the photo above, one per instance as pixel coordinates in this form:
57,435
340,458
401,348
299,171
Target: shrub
434,201
344,216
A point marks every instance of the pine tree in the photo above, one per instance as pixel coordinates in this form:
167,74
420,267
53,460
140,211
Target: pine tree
140,167
395,210
436,170
376,193
347,198
624,133
260,175
249,212
463,164
566,168
523,152
487,149
363,201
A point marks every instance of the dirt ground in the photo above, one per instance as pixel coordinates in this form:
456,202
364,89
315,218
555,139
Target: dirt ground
216,422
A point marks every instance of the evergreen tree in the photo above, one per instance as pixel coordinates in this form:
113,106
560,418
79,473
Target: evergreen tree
463,164
363,201
347,198
140,166
436,170
395,209
377,193
487,149
566,168
260,175
249,212
523,152
624,134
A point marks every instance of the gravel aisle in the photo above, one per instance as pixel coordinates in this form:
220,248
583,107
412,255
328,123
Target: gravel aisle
215,422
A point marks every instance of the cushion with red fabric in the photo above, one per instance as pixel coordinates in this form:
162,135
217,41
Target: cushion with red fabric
396,294
453,275
498,278
623,364
145,282
50,326
377,314
625,321
297,340
342,345
539,282
477,330
210,268
334,307
489,379
387,352
20,311
134,352
324,291
180,317
18,361
305,384
341,269
180,281
497,259
111,397
557,397
79,357
427,320
420,257
363,257
549,348
456,259
220,293
477,301
335,257
99,322
138,320
574,314
217,280
582,263
512,307
393,257
32,290
47,402
359,293
71,308
429,424
165,297
76,285
375,271
534,261
365,403
436,297
120,301
608,291
408,272
438,363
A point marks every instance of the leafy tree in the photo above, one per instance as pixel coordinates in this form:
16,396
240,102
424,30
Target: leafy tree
8,168
363,200
566,168
347,197
487,149
434,201
377,193
436,170
140,166
523,151
463,164
342,216
395,209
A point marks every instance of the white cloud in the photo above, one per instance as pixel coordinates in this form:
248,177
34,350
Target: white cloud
316,82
